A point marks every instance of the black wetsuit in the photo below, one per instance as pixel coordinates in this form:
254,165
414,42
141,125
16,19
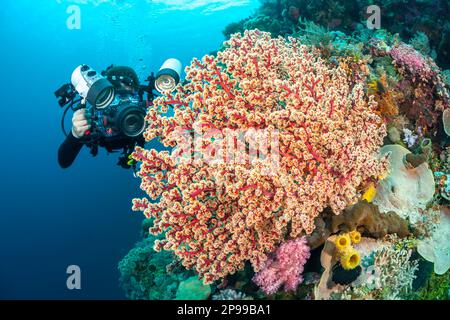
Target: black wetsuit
71,147
69,150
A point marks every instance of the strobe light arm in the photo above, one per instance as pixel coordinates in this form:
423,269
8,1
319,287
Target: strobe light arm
148,89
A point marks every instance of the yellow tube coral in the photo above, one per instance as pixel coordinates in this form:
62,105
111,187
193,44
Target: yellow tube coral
355,236
350,259
343,242
370,193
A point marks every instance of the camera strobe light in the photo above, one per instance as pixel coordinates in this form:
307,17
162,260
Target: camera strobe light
93,87
168,76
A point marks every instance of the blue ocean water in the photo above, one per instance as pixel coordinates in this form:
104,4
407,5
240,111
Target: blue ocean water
51,218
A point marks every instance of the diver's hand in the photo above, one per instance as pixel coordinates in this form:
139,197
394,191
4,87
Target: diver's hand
80,124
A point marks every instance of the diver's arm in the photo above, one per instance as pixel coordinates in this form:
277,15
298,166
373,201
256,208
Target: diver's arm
68,151
71,147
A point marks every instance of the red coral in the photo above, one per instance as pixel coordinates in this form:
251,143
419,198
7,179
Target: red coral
266,136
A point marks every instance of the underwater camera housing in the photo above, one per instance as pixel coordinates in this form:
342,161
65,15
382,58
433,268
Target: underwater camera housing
125,115
113,104
114,97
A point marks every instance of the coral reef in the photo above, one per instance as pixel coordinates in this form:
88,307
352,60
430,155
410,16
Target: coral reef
424,23
388,274
285,268
329,143
143,274
404,78
218,215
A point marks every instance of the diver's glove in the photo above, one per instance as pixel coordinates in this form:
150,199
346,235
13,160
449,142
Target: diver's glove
80,124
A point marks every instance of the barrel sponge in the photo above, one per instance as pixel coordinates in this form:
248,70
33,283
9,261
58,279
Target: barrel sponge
406,190
436,248
366,218
363,217
446,121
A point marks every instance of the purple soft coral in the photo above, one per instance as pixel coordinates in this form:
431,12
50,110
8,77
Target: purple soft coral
285,268
407,57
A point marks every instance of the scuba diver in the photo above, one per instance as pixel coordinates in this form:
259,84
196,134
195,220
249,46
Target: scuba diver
110,109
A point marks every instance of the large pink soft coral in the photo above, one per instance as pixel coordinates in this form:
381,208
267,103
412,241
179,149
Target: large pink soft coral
286,268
